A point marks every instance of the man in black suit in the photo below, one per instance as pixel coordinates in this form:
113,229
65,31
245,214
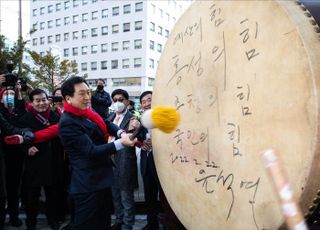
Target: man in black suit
126,177
84,136
148,170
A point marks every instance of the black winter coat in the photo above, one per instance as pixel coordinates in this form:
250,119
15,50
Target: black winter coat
45,168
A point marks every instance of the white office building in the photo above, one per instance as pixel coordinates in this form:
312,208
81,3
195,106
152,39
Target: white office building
120,41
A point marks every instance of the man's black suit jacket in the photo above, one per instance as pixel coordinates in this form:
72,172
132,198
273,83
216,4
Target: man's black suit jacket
88,152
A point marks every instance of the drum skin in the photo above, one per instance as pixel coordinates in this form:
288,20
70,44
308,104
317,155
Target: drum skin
244,76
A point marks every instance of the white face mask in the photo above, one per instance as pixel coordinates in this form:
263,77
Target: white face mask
118,106
8,101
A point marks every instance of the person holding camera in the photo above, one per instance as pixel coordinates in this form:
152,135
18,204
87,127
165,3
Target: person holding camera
101,100
57,101
12,107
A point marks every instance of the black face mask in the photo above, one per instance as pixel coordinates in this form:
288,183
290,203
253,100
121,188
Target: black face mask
100,87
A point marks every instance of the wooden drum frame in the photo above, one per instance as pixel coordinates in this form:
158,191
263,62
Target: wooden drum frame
245,77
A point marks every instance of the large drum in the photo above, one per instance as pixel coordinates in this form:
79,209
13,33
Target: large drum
245,76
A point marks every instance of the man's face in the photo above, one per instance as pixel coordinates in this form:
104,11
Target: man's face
120,98
40,102
81,97
58,93
146,102
100,83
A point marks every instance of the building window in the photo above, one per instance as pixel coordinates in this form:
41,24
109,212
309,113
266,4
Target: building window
93,65
58,22
41,40
159,30
75,3
75,19
84,2
114,46
115,29
151,45
168,17
94,49
139,6
159,48
50,39
114,64
125,63
58,37
137,62
104,65
58,7
166,33
84,33
41,10
41,54
84,66
138,44
152,27
130,81
125,45
75,35
66,5
151,63
94,32
34,12
104,48
85,17
153,8
138,25
115,11
66,20
66,52
66,36
127,9
104,30
104,13
34,26
42,25
126,27
50,24
94,15
84,50
94,1
50,9
161,13
75,51
34,41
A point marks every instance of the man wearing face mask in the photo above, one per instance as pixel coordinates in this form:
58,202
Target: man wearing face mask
101,100
125,172
12,107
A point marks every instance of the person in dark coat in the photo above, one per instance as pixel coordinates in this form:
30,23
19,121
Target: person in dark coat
42,164
7,129
101,100
84,136
152,187
125,170
12,107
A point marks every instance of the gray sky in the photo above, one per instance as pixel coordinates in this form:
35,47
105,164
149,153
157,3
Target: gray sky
9,18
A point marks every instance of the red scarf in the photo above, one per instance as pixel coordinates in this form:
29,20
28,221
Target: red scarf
41,116
89,114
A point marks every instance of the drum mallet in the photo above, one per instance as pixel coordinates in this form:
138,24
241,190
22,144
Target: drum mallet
289,205
164,118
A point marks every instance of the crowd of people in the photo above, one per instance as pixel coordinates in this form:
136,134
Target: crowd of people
83,158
